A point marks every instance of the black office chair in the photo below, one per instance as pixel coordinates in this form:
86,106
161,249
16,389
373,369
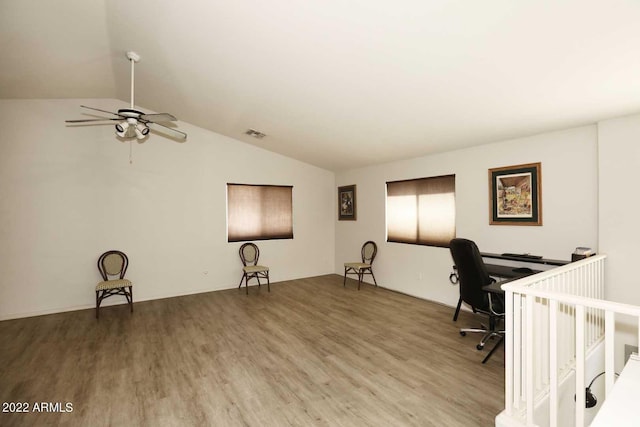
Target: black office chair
473,275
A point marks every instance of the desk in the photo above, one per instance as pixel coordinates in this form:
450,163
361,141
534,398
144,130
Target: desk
495,287
523,258
509,272
506,271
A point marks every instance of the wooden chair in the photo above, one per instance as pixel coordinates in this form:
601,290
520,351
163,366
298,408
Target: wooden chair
113,264
249,254
368,254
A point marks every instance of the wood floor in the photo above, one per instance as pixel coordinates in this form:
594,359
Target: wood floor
309,353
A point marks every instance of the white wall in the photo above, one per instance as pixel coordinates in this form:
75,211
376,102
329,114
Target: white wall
619,221
619,154
69,193
569,203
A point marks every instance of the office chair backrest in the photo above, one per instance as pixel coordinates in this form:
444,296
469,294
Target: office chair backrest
369,251
472,273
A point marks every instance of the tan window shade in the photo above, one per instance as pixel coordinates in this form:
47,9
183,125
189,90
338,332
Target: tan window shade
422,211
259,212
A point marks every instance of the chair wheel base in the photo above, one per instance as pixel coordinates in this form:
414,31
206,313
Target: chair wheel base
463,333
480,346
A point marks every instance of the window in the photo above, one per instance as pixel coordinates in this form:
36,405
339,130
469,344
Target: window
422,211
259,212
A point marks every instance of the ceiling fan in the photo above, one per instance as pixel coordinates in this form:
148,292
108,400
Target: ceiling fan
132,123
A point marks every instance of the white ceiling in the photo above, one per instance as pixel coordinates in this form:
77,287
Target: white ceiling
337,83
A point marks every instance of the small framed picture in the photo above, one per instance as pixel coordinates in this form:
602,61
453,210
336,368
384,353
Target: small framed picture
515,195
347,203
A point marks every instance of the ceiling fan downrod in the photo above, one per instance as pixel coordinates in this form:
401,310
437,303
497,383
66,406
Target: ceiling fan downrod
133,57
131,126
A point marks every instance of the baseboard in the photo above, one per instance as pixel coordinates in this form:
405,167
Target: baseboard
106,303
111,302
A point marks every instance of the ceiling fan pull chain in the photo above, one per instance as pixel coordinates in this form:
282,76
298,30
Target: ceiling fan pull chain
130,152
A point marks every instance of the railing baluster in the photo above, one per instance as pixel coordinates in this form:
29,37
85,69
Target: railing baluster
544,342
517,350
537,314
511,372
553,363
529,395
609,368
580,386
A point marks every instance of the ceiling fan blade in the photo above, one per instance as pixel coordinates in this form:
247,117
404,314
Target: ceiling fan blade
91,120
104,111
159,117
172,132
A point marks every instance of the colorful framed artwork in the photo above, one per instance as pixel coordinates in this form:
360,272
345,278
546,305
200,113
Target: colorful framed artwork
347,203
515,195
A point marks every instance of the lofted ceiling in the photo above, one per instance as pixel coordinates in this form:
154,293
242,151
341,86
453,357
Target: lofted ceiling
337,83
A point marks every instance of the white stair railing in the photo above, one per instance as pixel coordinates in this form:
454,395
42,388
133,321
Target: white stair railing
553,320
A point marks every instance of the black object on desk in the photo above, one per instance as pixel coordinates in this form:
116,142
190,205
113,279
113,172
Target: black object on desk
526,256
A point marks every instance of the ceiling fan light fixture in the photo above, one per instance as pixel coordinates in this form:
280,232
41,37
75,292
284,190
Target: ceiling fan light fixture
121,129
142,131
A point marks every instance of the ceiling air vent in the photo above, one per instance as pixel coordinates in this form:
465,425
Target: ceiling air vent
254,133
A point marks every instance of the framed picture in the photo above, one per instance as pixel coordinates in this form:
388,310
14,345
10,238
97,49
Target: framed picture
515,195
347,203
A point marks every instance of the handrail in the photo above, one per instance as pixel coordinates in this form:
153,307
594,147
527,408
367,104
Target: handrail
618,307
514,285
